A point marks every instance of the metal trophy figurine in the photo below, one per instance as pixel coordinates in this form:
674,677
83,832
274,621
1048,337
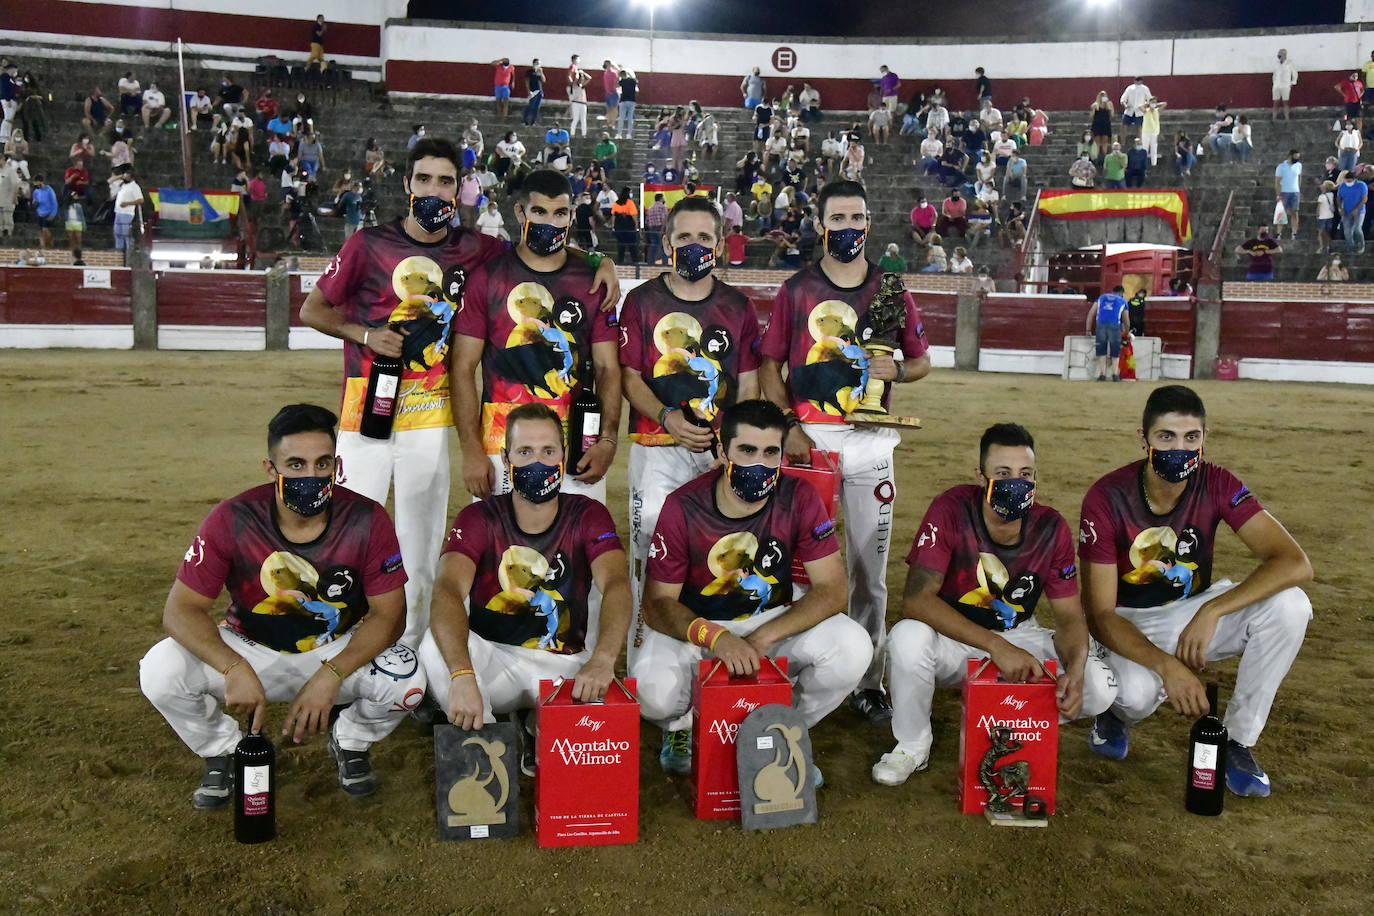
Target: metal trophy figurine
885,322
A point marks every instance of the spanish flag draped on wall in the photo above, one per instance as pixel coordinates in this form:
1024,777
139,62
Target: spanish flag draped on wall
1169,205
672,193
194,214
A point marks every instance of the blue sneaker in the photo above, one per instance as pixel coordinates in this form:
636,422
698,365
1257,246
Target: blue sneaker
1110,737
1243,775
676,755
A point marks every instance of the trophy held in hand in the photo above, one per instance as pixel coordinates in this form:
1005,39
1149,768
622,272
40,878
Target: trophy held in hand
881,330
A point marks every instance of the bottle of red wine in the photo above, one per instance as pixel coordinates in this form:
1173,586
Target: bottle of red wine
383,389
255,789
1206,790
691,415
584,419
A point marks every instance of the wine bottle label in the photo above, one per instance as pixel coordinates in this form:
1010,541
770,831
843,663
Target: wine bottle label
591,424
1204,766
255,790
386,386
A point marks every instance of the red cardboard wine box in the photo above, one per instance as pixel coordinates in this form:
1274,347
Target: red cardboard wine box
824,475
720,702
1029,710
586,784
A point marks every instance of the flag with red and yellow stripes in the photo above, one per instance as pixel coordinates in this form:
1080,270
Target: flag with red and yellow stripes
1169,205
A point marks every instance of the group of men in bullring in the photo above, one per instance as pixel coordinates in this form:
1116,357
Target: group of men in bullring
332,604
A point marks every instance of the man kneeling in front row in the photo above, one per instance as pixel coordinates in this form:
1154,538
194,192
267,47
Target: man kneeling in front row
525,563
983,556
719,584
316,598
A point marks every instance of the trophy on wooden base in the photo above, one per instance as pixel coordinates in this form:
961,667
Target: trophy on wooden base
885,322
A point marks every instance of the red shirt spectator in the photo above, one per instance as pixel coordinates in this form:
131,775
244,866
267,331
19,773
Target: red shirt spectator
1351,89
257,189
504,74
267,105
76,177
734,245
923,215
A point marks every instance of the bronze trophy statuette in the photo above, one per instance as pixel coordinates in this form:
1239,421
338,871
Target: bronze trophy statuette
1007,782
884,324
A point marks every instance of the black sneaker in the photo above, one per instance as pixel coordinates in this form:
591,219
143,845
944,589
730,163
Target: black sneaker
872,705
216,784
527,745
428,713
355,769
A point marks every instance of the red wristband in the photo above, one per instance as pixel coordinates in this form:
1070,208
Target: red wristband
704,633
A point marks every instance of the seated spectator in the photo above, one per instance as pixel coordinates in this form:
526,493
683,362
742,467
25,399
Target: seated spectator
936,260
278,153
130,94
931,151
1180,287
202,112
852,166
892,260
1039,124
1184,157
975,138
734,246
983,282
979,222
375,163
96,113
1018,129
923,217
490,222
761,212
557,158
1332,271
760,187
746,173
417,133
989,116
986,193
1240,140
120,154
1137,164
953,215
984,169
155,110
1113,168
960,263
708,135
1218,138
1086,145
76,181
230,99
267,109
605,200
937,119
1082,173
809,101
1003,149
310,153
953,162
879,124
1013,230
220,142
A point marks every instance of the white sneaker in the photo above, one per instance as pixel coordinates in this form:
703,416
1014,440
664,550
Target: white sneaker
895,767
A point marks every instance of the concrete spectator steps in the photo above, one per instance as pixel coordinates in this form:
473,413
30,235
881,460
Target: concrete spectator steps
347,115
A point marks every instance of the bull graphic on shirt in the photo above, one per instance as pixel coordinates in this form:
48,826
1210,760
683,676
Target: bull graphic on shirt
835,376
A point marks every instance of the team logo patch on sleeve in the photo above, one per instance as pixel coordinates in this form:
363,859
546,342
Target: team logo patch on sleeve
824,530
391,563
1069,572
603,536
1241,496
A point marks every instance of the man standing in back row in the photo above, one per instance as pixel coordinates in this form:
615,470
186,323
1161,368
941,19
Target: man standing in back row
817,328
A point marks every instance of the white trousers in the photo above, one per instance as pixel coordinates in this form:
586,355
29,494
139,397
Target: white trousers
922,659
655,471
577,111
867,497
507,676
189,692
824,663
596,491
416,461
1151,144
1266,635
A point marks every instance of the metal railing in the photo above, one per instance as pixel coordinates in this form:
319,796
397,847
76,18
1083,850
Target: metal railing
1209,270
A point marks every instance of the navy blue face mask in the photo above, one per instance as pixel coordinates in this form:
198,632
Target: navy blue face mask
537,482
306,496
1175,464
845,244
432,213
545,239
1011,497
693,262
752,482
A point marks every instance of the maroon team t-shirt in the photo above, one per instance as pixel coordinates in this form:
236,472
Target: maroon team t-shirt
734,568
687,351
383,276
1160,558
294,597
994,585
538,328
531,589
818,329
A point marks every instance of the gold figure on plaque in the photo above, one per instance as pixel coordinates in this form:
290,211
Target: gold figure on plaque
886,320
471,800
775,789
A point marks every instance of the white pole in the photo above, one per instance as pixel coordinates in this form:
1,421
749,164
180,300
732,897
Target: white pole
184,119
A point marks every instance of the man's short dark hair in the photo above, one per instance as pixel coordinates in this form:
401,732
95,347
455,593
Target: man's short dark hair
692,205
301,418
1118,288
549,182
1011,435
840,189
436,147
1172,399
757,413
533,411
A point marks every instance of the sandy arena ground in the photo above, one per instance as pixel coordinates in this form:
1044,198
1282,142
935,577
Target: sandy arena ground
112,459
